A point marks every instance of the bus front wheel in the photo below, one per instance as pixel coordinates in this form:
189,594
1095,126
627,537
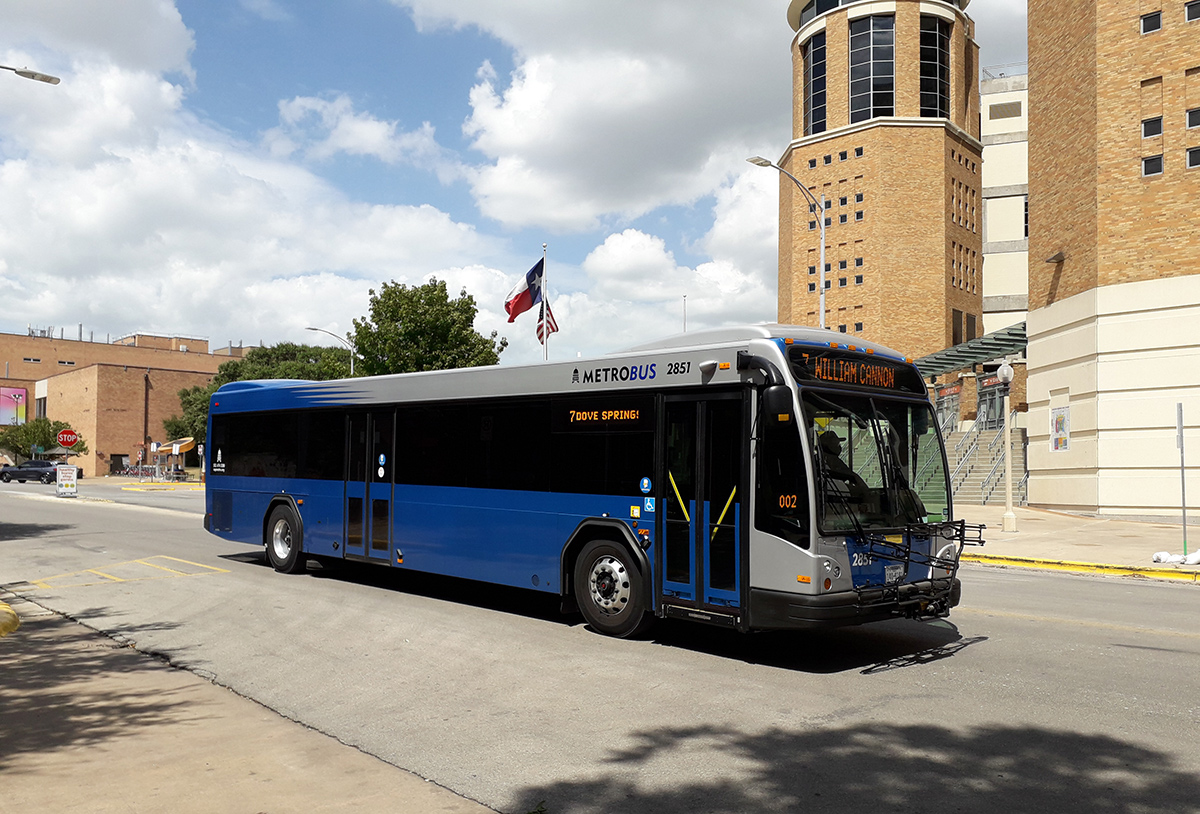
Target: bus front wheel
285,542
609,590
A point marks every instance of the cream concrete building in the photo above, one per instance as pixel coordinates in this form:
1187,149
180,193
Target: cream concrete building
1004,126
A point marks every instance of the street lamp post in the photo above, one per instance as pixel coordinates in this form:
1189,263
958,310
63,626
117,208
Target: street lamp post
340,339
28,74
1009,521
813,203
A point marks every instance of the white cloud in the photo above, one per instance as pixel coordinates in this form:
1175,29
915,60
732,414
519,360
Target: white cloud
617,109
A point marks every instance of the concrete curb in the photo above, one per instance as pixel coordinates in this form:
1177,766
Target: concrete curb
9,621
1085,567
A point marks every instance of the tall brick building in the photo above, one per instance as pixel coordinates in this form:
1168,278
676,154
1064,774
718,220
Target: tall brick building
1114,263
886,128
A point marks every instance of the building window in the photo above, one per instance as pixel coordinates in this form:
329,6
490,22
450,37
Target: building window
1192,11
1152,127
872,67
829,221
970,327
33,360
814,85
1152,165
1151,22
858,152
843,155
812,163
66,363
812,287
828,283
858,261
935,68
1004,110
841,282
858,327
956,327
1193,158
812,269
858,215
841,264
841,218
858,198
858,278
1026,216
842,201
812,224
1193,118
828,267
828,159
842,328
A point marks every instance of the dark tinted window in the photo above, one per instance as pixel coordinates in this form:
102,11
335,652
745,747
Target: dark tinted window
291,444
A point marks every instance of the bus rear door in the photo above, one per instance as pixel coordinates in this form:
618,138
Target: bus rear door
369,484
703,494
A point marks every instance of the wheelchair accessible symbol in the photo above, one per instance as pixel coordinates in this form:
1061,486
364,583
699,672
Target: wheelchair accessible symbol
645,486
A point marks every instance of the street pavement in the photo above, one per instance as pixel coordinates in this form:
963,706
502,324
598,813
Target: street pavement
80,742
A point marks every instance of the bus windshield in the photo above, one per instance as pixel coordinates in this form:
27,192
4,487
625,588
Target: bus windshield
878,462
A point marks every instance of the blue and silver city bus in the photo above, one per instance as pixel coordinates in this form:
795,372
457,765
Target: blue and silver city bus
760,477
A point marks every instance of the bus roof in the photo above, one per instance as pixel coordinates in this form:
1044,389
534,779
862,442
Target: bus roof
672,361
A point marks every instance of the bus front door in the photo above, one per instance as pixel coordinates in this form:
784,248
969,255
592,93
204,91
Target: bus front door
703,494
369,485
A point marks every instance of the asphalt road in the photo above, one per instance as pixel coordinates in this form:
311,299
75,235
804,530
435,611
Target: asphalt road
1044,692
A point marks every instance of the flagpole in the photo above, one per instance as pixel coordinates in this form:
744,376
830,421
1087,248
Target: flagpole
545,309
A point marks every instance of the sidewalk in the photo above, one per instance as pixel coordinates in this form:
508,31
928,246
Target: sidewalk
1048,539
89,725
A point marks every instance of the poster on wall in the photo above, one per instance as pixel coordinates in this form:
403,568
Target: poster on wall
13,401
1060,429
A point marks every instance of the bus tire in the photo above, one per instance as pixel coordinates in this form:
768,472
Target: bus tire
285,541
610,591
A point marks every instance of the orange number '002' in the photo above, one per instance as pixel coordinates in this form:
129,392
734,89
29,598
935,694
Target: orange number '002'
787,501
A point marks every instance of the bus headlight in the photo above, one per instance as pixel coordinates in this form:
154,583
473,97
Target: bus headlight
948,554
833,569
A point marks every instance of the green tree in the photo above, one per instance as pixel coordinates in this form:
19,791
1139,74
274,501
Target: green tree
283,361
19,438
414,328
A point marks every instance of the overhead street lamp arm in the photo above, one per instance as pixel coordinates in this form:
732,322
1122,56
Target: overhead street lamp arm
36,75
341,339
814,206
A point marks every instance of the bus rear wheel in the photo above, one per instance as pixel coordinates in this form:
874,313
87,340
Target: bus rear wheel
610,591
285,541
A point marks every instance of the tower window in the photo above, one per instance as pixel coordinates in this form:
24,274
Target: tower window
1192,11
1193,158
843,155
858,327
812,269
842,328
812,287
872,67
814,85
858,152
858,198
841,264
841,218
812,163
1193,118
1151,22
858,279
841,282
935,67
812,224
858,215
858,261
1152,165
842,201
828,159
1152,127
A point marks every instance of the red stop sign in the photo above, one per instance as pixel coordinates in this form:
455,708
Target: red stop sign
68,438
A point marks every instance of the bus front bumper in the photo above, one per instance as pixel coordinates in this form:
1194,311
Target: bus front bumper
918,600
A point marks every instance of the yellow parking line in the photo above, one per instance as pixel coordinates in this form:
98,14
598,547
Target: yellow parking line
163,568
197,564
102,574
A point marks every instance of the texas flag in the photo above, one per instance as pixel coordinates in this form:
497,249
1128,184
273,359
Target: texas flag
526,293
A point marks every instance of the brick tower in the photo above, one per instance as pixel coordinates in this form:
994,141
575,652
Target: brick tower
886,127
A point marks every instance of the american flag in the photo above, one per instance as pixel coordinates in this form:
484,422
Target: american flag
546,324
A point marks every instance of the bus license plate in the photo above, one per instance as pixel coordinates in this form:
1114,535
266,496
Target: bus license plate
893,573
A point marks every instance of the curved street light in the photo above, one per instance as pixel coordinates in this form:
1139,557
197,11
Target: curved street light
36,75
340,339
813,203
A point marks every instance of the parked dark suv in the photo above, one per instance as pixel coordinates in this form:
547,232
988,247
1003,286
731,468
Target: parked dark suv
45,471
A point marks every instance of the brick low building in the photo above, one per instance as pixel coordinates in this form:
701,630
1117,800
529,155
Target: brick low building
114,394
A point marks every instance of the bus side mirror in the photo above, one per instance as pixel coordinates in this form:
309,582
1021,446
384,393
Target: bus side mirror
777,404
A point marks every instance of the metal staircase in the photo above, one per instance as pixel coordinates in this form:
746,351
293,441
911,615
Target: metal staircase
976,461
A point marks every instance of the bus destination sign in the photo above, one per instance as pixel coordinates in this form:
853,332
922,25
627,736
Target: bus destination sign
855,369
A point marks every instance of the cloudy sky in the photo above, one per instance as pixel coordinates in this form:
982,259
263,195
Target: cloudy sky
238,170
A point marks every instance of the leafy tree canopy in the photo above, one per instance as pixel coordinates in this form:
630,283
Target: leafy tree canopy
43,432
416,328
283,361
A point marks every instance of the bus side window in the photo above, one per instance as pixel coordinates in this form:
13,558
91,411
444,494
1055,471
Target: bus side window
782,497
